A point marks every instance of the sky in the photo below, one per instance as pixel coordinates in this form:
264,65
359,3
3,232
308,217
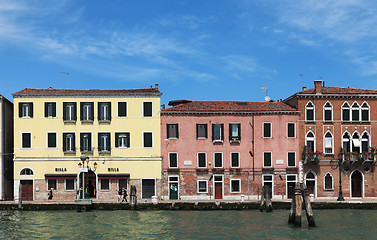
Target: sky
194,49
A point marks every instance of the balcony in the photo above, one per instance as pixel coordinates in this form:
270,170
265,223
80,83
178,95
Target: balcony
310,157
353,157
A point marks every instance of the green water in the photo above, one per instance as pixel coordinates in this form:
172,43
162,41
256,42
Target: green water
332,224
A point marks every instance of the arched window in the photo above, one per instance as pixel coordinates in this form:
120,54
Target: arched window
365,142
309,111
365,112
27,172
328,143
327,112
356,144
328,182
310,181
355,112
345,112
346,142
310,142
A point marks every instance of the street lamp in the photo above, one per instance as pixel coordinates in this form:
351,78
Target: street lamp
84,159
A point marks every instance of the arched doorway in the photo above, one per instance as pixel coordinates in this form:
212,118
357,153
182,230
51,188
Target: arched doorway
356,184
310,181
90,183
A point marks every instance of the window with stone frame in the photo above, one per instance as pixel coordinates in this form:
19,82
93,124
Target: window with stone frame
346,112
327,112
309,109
328,182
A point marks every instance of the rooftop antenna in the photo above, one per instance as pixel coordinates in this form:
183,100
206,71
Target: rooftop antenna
67,73
266,98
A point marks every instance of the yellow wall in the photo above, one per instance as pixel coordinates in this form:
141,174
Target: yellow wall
134,123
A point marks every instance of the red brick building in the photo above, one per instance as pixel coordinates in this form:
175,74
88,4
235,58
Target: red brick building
228,150
337,124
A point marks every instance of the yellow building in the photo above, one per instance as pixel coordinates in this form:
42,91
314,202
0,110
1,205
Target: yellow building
117,129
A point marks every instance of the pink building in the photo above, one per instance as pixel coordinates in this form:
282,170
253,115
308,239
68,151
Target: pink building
228,149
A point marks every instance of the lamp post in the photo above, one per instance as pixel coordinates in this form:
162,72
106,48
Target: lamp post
84,159
340,198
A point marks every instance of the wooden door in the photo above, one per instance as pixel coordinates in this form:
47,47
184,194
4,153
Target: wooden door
356,184
173,191
27,190
218,190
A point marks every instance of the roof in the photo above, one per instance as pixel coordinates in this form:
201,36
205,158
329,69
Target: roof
54,91
339,90
228,107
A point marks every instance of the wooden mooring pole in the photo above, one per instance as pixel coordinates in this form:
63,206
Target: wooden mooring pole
266,203
308,206
301,195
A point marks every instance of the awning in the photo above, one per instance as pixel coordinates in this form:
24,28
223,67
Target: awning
60,176
114,176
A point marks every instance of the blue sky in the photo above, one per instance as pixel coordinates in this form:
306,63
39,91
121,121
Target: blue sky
197,49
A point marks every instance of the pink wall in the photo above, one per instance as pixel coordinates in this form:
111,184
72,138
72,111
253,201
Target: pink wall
187,146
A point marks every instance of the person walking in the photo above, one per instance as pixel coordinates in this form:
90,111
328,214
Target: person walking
124,195
49,194
120,194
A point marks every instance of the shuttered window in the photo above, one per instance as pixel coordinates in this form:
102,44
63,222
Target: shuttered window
87,111
291,130
267,130
218,160
235,160
148,188
234,132
147,109
267,159
85,142
172,130
69,111
104,111
69,144
202,162
25,110
291,159
148,139
26,140
104,142
173,160
50,109
51,140
217,132
122,140
201,130
122,109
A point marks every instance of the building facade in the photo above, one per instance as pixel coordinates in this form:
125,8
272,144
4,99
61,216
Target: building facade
6,149
338,128
118,130
228,150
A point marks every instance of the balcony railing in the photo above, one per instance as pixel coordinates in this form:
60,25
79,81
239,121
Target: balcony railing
310,157
357,157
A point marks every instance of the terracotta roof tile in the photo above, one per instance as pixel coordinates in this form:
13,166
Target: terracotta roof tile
53,91
340,90
229,106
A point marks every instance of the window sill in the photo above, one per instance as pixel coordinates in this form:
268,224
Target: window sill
104,121
310,122
87,121
172,138
328,122
69,152
234,141
104,152
69,121
328,190
87,151
201,138
218,141
51,117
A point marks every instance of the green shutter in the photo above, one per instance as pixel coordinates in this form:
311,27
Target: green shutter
64,142
116,140
147,139
31,110
109,141
20,110
230,132
147,109
167,131
90,142
99,114
213,132
222,131
51,140
26,141
81,111
239,131
64,111
54,109
81,142
46,109
99,141
129,139
109,110
122,109
177,130
74,142
91,111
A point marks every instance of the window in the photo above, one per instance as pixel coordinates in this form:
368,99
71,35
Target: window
327,112
310,142
104,142
85,142
291,130
202,186
328,143
26,140
122,183
328,182
201,130
172,130
234,132
69,142
345,112
122,109
365,112
309,111
147,109
365,142
356,144
69,111
267,130
355,112
70,184
25,110
217,132
346,142
268,180
104,111
235,185
291,159
51,140
50,109
105,184
218,160
235,160
148,188
87,111
26,172
173,160
122,140
202,160
267,159
148,140
51,183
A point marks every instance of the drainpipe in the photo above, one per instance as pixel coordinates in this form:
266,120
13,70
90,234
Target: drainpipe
248,185
163,180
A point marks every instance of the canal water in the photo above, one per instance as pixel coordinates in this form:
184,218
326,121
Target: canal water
248,224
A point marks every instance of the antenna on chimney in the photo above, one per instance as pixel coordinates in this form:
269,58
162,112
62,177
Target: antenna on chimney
265,89
67,73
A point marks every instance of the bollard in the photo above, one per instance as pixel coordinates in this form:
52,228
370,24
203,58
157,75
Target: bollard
298,206
292,212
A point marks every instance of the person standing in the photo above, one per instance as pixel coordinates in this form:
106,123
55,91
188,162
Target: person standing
50,195
119,194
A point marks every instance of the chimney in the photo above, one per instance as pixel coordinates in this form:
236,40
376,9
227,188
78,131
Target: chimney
304,88
156,86
318,86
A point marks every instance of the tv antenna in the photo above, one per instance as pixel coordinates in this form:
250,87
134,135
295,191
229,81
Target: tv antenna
265,89
66,73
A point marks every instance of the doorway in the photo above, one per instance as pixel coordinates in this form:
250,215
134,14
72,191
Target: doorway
356,184
291,183
310,181
173,188
90,183
218,182
27,190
